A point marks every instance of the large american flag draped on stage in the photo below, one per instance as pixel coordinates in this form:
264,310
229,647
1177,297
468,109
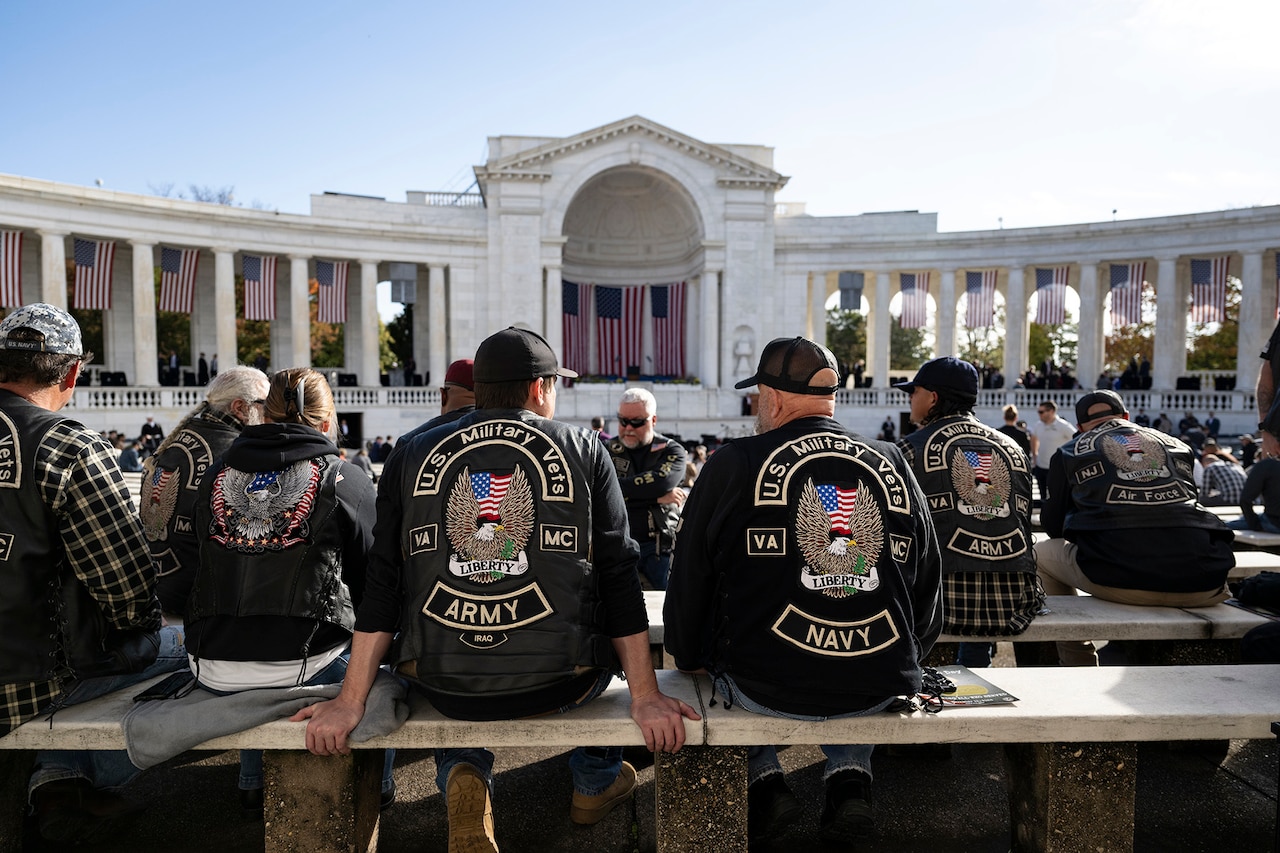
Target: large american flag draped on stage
575,303
666,304
178,279
1051,295
1126,293
94,260
331,294
618,328
915,300
10,269
259,288
1209,289
980,298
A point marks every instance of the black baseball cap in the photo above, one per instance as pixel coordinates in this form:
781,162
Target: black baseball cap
948,372
789,364
1115,405
515,354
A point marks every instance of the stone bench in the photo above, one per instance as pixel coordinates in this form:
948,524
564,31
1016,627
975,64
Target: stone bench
1071,747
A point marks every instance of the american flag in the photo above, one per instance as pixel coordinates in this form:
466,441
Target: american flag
980,298
94,260
1126,293
1131,443
259,288
1209,289
178,279
618,316
666,303
332,292
10,268
1051,295
489,490
839,505
981,465
915,300
576,308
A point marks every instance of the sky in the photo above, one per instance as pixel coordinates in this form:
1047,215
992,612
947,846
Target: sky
990,114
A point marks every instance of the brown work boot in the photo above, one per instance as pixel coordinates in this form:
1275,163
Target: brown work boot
470,812
588,810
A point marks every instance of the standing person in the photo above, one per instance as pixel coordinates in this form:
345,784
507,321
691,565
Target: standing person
232,401
71,527
1141,418
650,467
1212,426
1125,524
597,426
1016,432
805,581
202,371
286,530
174,377
151,434
1047,434
888,432
488,500
979,489
1268,411
1248,451
213,365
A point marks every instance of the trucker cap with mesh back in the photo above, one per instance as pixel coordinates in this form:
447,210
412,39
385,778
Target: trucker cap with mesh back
789,364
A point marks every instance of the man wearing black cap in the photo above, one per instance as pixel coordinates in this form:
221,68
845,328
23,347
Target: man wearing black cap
68,525
501,557
805,581
1125,524
979,490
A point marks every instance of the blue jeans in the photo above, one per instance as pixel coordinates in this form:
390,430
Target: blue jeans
975,655
654,567
1265,524
251,759
762,761
105,768
594,768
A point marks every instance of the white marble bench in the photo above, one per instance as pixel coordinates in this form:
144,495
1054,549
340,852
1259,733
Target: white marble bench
1071,740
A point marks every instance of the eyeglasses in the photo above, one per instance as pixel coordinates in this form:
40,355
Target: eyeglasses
634,423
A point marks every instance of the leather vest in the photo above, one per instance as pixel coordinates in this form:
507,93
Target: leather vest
978,485
38,628
170,483
648,519
1122,475
281,556
500,596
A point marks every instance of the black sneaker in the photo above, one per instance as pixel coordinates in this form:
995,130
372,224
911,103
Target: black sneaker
251,804
388,798
846,817
771,808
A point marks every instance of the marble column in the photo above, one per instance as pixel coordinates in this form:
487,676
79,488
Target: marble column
294,348
878,334
945,339
553,311
53,268
224,307
364,354
437,310
1257,314
1017,333
143,292
818,307
1170,351
709,359
1090,355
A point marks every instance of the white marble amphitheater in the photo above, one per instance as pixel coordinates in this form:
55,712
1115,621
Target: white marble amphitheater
630,203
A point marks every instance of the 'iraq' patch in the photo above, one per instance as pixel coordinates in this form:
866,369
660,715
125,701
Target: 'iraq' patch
482,619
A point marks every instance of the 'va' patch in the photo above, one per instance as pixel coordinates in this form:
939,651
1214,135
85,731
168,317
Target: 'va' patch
489,520
766,542
841,534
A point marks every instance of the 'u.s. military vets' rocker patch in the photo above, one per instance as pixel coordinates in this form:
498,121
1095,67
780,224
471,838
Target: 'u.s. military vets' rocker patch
160,487
489,519
265,510
841,534
982,483
1137,457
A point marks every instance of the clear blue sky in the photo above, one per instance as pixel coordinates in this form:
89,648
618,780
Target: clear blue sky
1040,113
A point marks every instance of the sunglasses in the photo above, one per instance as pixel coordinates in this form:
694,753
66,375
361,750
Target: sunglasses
634,423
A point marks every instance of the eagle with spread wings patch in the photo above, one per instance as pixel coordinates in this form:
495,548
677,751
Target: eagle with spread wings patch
253,510
489,517
982,483
1135,456
159,499
840,532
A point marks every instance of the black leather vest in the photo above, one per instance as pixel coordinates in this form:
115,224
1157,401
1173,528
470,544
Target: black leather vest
500,596
32,571
650,520
285,561
170,483
1123,475
978,486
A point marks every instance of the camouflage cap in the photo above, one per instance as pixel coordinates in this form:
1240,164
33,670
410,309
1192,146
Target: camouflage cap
58,330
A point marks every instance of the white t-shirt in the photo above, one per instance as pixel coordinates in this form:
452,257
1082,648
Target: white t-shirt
1051,436
233,676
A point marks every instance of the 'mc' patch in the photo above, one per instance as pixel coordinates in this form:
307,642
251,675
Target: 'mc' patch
558,537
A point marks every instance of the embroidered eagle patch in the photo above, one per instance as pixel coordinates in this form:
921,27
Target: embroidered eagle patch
982,483
160,487
489,519
264,510
840,533
1136,457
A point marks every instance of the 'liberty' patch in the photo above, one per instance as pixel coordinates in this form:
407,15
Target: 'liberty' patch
840,533
982,483
489,519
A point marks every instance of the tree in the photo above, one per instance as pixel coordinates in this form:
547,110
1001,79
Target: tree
400,334
1212,346
908,348
984,345
1134,341
1060,342
847,335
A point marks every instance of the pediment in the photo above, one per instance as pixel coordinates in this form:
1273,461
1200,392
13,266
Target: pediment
535,163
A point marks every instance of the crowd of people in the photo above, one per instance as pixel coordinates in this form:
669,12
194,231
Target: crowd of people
496,568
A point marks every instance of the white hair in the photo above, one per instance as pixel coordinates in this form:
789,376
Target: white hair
641,395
